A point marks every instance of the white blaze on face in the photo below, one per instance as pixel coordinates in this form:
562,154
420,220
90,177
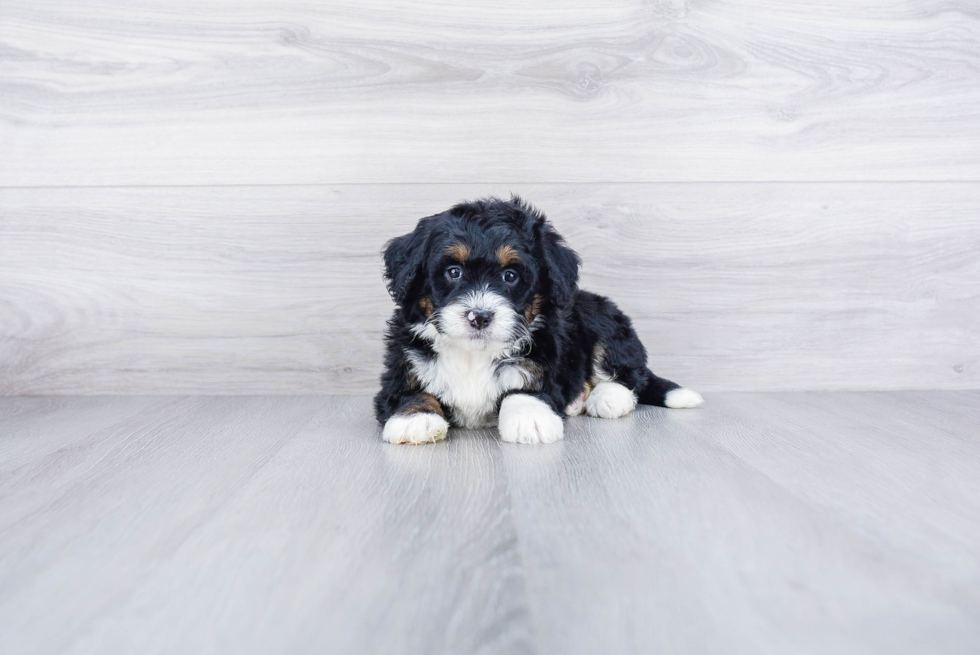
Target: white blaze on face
502,330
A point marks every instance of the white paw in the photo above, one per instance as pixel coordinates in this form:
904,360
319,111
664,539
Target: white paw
682,398
610,400
525,419
424,427
577,406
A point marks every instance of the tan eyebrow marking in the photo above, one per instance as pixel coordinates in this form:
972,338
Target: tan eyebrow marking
507,255
458,251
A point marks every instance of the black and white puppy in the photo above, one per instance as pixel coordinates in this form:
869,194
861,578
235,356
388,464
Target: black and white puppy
491,327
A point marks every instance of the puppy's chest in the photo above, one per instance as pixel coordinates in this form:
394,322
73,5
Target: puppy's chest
470,383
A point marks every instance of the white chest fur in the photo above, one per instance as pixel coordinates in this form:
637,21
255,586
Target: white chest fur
470,382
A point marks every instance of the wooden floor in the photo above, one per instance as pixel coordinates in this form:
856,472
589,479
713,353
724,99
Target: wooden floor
761,523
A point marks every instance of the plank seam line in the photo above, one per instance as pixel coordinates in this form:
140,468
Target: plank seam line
389,184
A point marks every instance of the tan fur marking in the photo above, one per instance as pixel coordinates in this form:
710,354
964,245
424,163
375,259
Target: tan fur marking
458,251
413,381
507,255
533,308
535,375
599,374
421,403
425,303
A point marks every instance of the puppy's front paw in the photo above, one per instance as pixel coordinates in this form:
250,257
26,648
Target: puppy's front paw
423,427
525,419
682,398
610,400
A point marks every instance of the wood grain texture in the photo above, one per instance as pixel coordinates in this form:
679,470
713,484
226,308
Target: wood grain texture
278,290
270,92
759,523
255,525
781,523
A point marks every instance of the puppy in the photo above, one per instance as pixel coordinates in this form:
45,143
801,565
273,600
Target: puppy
491,328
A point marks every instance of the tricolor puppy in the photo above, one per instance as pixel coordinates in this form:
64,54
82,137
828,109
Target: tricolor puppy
491,328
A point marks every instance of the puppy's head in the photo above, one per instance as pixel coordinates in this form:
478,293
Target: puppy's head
481,275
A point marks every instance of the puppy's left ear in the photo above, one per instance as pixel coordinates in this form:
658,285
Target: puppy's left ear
405,259
562,263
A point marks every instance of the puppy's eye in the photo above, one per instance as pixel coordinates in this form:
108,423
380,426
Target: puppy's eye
453,272
510,277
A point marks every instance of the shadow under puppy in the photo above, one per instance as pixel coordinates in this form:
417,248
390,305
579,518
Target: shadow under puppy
491,327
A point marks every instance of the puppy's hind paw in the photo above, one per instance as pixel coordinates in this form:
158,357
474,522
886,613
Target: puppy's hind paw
610,400
525,419
422,427
682,398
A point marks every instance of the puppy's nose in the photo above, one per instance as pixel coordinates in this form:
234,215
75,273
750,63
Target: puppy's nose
479,318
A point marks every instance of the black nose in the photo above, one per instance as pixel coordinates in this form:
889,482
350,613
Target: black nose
479,319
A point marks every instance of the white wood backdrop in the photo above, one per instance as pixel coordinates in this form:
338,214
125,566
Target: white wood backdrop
193,194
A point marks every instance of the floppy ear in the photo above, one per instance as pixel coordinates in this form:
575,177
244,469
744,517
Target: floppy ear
562,263
405,259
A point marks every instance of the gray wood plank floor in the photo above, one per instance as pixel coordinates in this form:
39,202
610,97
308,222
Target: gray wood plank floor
762,523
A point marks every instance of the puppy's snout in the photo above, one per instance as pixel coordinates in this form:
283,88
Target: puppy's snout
479,318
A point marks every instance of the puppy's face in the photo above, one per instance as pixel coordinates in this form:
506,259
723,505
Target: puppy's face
483,285
480,275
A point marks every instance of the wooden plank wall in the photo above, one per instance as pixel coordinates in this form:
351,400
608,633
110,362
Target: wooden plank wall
193,195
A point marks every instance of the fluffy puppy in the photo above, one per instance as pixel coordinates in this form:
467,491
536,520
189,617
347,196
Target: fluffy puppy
491,327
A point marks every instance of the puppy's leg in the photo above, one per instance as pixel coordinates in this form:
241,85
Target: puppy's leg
655,390
619,356
419,419
682,398
610,400
528,419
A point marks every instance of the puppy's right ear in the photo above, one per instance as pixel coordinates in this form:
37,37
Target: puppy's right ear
562,265
405,259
